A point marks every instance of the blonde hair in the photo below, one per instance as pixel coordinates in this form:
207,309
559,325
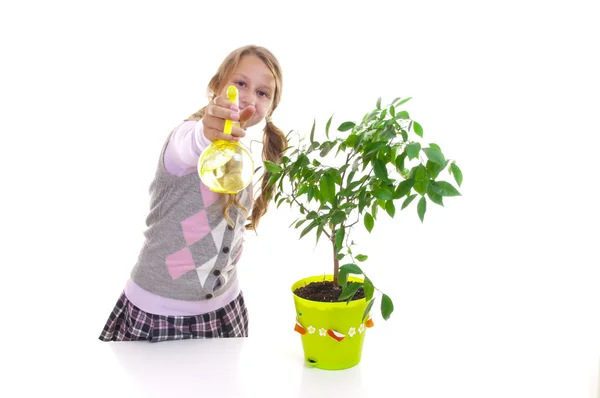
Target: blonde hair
274,140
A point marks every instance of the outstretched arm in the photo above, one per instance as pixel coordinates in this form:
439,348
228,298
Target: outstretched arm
184,148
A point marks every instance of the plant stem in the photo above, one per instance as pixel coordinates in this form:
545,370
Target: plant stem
336,262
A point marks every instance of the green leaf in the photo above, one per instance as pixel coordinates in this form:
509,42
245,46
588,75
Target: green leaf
349,291
327,127
379,103
421,180
380,170
387,307
338,217
361,257
374,147
319,232
299,223
342,278
422,208
433,169
435,155
390,208
349,178
383,115
412,150
368,309
326,147
312,215
394,151
400,161
434,193
404,135
302,161
368,288
273,179
303,189
351,269
313,146
327,188
355,184
272,167
458,177
403,101
392,111
369,222
447,189
351,140
312,131
339,238
308,229
418,129
407,201
383,193
310,194
403,188
346,126
362,199
374,210
402,115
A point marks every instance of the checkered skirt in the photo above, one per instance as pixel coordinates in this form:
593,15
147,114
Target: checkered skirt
127,322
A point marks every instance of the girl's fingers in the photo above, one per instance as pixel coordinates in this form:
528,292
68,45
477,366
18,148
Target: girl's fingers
222,113
214,135
213,123
223,102
222,108
219,110
238,132
247,113
217,134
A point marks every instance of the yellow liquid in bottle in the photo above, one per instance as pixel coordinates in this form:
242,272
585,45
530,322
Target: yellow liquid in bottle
226,167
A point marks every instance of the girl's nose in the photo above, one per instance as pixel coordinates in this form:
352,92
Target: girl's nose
248,99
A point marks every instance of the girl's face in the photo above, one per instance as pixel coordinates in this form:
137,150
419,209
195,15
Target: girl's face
256,87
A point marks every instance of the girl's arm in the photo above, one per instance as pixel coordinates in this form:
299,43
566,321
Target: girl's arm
184,148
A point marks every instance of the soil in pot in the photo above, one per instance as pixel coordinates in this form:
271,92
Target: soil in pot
325,291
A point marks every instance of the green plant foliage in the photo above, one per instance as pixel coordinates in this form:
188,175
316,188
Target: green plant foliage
378,162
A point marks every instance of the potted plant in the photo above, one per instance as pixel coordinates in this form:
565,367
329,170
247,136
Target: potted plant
343,182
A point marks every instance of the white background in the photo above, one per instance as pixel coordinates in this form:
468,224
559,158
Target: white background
496,294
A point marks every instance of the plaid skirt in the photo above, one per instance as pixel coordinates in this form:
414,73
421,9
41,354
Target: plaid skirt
127,323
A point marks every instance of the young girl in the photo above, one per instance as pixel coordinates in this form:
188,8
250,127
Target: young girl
184,284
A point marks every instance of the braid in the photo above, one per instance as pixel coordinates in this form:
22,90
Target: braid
274,144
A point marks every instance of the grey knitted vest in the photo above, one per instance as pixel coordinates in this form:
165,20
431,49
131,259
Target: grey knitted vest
190,252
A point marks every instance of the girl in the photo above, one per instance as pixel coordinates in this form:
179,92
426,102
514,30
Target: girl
184,284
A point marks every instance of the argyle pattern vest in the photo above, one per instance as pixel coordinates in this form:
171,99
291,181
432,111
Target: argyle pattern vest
190,252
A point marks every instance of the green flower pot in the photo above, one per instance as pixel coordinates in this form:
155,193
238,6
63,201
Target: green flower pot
332,333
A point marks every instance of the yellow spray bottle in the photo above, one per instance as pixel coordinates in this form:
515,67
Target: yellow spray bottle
226,167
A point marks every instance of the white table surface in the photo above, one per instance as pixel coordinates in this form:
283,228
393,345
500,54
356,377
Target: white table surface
261,367
251,367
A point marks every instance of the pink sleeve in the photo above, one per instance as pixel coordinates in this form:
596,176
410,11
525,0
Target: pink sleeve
184,148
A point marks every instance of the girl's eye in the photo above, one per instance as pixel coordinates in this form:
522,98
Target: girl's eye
263,94
240,83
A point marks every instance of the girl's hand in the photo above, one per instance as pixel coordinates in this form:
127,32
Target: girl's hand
219,110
